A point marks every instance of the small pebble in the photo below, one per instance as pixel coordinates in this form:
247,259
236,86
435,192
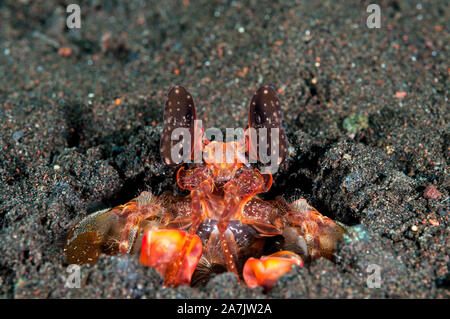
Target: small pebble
431,192
65,51
400,95
433,222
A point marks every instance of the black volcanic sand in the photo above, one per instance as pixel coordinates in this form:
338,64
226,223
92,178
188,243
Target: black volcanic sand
366,113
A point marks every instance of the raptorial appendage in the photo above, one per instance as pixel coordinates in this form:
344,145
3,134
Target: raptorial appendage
113,231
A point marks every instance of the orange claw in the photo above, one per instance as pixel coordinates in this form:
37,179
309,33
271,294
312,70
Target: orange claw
161,247
267,270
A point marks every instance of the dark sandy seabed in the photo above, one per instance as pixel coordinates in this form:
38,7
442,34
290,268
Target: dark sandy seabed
366,113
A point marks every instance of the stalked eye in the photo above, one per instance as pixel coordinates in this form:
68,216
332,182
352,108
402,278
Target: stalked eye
265,125
179,113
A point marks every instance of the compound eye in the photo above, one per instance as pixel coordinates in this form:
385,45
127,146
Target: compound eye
266,134
179,127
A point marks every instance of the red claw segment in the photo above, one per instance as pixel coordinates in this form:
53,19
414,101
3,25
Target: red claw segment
267,270
161,247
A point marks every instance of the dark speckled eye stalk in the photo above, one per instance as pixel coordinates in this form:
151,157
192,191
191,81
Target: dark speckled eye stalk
265,113
179,112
